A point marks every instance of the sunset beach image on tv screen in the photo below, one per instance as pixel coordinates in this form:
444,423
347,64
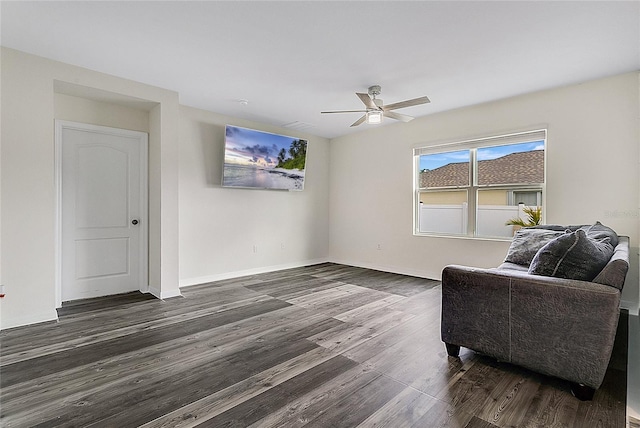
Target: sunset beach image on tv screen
256,159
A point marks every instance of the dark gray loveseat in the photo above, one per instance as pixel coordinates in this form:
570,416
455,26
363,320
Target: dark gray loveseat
556,326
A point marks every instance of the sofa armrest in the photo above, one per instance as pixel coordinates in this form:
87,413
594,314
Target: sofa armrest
615,272
474,303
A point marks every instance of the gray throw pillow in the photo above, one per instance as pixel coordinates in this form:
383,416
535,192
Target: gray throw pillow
526,243
572,256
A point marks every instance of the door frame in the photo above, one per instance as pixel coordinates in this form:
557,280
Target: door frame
143,140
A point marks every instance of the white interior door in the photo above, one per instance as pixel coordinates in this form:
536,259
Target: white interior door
103,239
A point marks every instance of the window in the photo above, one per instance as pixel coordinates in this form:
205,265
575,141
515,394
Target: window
526,197
474,187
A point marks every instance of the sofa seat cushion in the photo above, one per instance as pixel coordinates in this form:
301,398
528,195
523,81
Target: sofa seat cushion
526,243
508,266
573,255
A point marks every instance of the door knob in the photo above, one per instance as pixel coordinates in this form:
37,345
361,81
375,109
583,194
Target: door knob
134,221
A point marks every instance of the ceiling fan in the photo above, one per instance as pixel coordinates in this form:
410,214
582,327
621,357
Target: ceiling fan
375,109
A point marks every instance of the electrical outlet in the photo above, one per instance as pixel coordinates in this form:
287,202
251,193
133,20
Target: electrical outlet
379,246
282,245
255,249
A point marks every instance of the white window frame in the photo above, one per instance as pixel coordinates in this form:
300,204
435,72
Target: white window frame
473,188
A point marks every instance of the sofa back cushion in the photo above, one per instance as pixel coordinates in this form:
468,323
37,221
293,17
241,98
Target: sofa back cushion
601,233
526,243
572,255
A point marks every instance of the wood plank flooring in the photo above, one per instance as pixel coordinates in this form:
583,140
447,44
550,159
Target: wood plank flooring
321,346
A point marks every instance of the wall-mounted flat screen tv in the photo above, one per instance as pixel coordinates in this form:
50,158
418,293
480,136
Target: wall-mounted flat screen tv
260,160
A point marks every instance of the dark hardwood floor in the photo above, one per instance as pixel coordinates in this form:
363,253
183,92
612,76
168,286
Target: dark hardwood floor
320,346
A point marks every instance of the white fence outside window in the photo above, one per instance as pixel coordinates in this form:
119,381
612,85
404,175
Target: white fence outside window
452,219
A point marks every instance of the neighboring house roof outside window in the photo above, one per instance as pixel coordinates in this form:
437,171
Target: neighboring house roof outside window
521,168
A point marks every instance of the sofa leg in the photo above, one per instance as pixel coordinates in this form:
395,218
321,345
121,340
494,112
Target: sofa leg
582,392
452,350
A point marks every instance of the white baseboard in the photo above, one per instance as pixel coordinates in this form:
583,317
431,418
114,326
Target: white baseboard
30,319
154,291
246,272
166,295
170,294
632,307
391,269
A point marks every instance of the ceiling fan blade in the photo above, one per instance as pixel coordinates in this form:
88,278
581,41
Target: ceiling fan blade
366,99
344,111
398,116
407,103
359,121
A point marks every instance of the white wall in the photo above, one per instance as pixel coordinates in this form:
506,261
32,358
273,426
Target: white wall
633,368
1,283
592,161
78,109
28,245
219,227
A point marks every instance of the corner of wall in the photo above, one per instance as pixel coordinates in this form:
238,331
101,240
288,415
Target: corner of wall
155,291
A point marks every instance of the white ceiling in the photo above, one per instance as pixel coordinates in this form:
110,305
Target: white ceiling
291,60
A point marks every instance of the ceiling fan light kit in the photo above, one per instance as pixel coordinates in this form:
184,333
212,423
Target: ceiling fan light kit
374,117
376,110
